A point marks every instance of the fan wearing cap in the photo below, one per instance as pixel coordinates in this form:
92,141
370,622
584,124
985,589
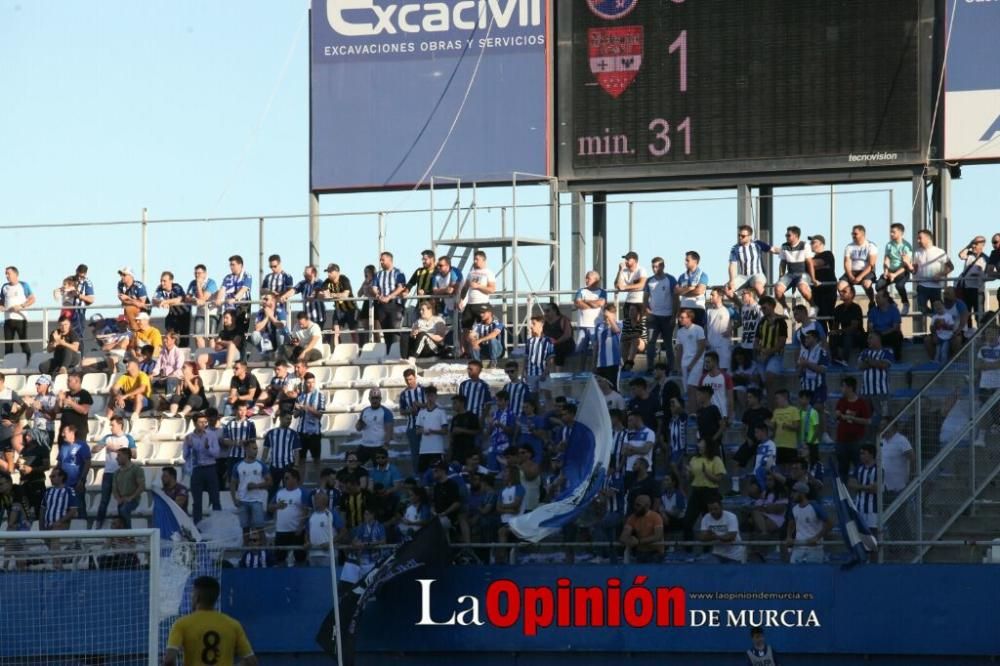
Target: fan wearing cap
132,294
113,344
337,288
807,527
375,425
42,409
145,334
631,279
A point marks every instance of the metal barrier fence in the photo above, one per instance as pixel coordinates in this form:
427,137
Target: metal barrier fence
948,423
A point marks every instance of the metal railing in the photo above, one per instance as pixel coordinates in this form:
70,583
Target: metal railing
948,425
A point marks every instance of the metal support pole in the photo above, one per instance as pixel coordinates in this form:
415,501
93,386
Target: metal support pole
145,241
554,210
942,209
314,229
766,231
977,420
631,224
919,432
919,195
578,242
600,233
154,598
507,317
260,250
744,205
892,206
833,217
381,233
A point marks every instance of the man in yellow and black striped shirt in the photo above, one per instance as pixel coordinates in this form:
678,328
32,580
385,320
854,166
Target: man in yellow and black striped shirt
422,278
772,333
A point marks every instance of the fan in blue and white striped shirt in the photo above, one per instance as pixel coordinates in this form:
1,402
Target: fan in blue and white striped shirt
516,388
310,288
538,351
412,399
388,280
58,503
279,282
813,361
238,432
874,363
283,443
865,482
475,391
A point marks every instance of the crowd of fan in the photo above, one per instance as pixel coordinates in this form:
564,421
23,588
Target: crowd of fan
493,456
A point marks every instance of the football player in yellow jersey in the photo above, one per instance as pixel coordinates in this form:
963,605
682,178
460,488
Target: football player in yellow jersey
207,637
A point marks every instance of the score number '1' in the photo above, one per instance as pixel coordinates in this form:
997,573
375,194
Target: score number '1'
662,145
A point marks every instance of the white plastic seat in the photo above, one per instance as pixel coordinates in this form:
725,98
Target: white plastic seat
225,377
99,458
145,504
372,376
142,426
263,375
29,385
209,378
143,451
94,382
322,374
344,376
14,362
167,453
100,404
262,423
15,383
339,425
152,475
95,478
170,429
141,523
343,400
94,433
371,352
343,354
59,384
395,377
226,500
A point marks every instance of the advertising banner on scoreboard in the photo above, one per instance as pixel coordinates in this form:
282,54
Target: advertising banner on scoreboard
655,88
972,82
402,90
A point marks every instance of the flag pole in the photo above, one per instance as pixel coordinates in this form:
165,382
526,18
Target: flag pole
336,601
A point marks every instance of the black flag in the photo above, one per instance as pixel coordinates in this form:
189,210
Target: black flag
429,547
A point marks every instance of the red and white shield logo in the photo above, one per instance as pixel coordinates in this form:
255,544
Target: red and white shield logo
615,56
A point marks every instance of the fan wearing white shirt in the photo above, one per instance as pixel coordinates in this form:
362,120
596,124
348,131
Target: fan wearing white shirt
690,351
589,302
722,529
432,426
930,265
860,259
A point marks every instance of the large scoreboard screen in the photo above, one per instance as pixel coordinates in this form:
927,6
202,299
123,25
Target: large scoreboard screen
695,87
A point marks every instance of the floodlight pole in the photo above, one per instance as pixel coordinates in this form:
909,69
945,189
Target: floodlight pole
314,229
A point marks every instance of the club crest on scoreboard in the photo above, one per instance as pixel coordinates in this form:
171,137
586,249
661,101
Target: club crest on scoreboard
612,9
615,56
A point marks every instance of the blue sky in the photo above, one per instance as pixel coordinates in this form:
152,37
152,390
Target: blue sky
200,109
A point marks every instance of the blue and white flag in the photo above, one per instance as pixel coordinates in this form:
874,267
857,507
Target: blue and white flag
170,519
585,466
857,538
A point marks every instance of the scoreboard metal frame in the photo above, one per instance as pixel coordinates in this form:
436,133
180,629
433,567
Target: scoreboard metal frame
613,49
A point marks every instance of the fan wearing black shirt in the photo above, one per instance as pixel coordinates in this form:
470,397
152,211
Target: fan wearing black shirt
710,419
75,403
825,294
643,403
464,427
755,414
447,502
